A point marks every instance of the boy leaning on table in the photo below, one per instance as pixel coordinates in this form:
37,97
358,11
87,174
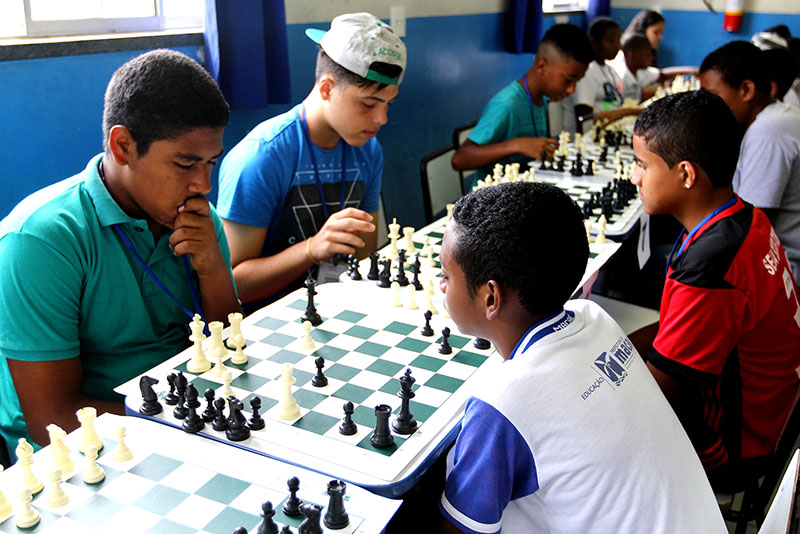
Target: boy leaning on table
571,433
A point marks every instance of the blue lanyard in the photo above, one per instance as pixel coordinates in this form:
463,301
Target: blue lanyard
316,170
531,105
150,272
617,93
689,236
555,325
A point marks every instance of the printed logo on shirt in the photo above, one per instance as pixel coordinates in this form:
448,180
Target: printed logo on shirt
614,363
772,258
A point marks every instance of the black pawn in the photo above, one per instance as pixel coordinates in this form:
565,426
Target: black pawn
480,343
405,422
181,411
381,437
354,274
292,505
384,277
268,525
310,524
220,421
240,530
311,314
286,530
171,398
193,422
427,330
150,406
319,380
237,424
256,422
589,167
401,277
336,517
348,427
445,347
373,266
210,412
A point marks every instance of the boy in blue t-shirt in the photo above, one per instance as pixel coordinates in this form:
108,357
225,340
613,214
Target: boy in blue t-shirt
304,187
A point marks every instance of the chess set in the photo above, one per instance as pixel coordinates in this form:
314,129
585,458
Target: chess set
368,345
154,479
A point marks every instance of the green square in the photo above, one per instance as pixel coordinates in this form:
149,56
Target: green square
222,488
299,305
445,383
201,385
165,526
388,451
457,341
421,411
373,349
286,356
270,323
96,511
353,393
322,336
400,328
351,316
283,519
308,399
111,474
331,354
361,332
182,367
342,372
592,255
437,235
155,467
363,415
249,381
385,367
412,344
316,422
266,403
469,358
230,519
244,366
426,362
161,500
277,339
301,377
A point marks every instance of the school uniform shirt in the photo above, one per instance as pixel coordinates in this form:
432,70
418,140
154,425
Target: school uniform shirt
634,84
768,172
572,434
730,324
600,88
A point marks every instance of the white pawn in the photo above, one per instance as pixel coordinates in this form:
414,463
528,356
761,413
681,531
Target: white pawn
94,473
588,231
58,451
227,391
449,207
429,297
5,504
199,363
307,342
396,302
219,368
28,516
216,346
25,457
236,338
288,408
122,453
412,304
601,236
88,434
408,232
57,497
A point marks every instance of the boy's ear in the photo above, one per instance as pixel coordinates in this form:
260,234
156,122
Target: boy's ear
747,90
325,86
121,145
688,173
540,64
491,295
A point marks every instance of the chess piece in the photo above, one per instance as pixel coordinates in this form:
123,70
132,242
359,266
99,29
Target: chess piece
311,314
256,422
5,504
373,266
122,452
429,297
384,277
237,424
27,517
348,427
310,524
25,459
307,342
171,398
381,437
268,525
416,269
352,260
59,452
393,236
480,343
291,506
236,339
227,391
427,330
288,408
408,232
336,517
199,363
193,422
396,302
57,497
89,436
411,304
445,347
216,348
94,474
210,412
405,422
319,380
401,277
220,422
180,409
150,404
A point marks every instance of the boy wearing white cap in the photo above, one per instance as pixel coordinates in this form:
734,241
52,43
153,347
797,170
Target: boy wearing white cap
304,186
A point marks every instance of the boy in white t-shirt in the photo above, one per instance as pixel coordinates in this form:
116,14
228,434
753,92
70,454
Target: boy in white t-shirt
571,433
637,54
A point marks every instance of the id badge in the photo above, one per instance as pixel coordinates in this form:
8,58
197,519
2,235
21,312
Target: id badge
329,271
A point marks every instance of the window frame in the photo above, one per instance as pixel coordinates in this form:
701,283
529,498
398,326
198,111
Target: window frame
565,7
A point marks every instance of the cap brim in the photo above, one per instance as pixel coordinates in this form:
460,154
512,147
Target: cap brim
315,34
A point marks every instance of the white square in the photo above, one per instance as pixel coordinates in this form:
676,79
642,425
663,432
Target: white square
188,478
457,370
126,488
336,326
357,360
361,432
195,511
346,342
431,396
261,350
379,397
333,386
398,355
390,339
253,497
131,520
65,525
266,369
331,406
369,380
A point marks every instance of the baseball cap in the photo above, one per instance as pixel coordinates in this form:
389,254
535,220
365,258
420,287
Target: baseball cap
357,40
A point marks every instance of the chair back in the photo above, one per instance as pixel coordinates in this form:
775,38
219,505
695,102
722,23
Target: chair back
441,184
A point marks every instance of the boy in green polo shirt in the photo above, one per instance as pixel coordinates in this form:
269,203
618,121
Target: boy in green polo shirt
102,271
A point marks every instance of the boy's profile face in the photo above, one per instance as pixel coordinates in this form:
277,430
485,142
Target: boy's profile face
607,47
639,58
357,113
464,309
660,188
713,82
560,77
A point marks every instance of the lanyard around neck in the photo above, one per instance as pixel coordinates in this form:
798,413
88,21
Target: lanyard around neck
316,170
694,230
604,72
531,105
150,272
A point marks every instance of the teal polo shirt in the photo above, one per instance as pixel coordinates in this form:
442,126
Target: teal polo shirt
69,287
508,116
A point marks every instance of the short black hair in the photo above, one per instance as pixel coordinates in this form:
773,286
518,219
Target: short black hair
325,65
783,66
161,95
635,41
781,30
599,26
571,41
643,20
736,62
528,237
695,126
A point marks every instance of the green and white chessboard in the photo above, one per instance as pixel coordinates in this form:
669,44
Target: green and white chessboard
367,344
175,484
602,170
